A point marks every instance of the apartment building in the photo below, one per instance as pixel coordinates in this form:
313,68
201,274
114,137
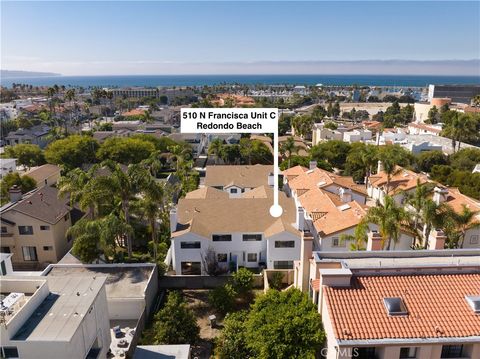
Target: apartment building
57,317
411,304
333,206
238,179
34,226
236,230
405,181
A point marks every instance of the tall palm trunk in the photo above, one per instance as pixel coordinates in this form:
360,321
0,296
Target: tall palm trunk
127,221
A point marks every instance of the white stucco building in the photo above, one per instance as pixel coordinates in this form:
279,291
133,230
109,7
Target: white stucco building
59,317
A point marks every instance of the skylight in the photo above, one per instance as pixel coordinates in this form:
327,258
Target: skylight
395,306
344,207
474,302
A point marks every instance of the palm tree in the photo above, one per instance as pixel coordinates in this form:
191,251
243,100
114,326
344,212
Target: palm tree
368,156
389,218
124,186
464,221
433,215
150,207
69,96
462,128
417,200
289,147
359,237
216,148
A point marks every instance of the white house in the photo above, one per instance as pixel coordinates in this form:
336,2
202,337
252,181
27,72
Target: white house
236,231
60,317
357,136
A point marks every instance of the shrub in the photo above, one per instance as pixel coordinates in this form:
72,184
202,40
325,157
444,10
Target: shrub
276,280
222,298
242,281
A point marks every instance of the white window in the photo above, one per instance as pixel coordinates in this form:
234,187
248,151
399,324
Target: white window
29,254
474,239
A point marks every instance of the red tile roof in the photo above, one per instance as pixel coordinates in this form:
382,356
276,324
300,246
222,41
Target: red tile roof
436,307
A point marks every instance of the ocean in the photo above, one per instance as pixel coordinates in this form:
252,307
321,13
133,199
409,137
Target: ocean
201,80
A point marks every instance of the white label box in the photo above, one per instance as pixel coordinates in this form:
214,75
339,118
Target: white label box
229,120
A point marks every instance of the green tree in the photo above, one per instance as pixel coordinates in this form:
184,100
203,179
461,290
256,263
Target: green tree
222,298
284,325
389,218
433,215
463,222
242,281
216,148
433,115
232,341
25,183
71,152
392,156
27,155
126,150
417,200
334,152
466,159
288,148
358,240
336,110
175,322
361,160
462,128
424,161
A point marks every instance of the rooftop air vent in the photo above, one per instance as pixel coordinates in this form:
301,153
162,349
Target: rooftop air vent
474,302
395,306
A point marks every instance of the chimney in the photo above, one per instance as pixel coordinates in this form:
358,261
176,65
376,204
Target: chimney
173,220
271,178
379,166
15,193
440,195
345,195
306,247
300,220
436,239
335,277
374,242
312,165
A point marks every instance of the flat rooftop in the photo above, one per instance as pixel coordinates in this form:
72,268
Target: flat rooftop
402,259
59,315
122,281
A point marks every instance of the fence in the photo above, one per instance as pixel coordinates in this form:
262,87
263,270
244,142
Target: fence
201,281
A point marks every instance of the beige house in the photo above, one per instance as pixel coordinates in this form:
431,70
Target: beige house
45,175
34,226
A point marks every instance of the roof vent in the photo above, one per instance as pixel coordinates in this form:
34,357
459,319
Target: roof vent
344,207
474,302
395,306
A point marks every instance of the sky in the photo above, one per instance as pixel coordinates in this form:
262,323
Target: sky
154,37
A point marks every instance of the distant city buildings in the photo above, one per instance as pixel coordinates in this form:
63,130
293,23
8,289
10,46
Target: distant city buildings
457,93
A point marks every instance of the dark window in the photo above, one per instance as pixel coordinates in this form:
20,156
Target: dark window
252,257
222,237
5,249
47,248
10,352
189,245
66,217
364,353
284,244
3,268
44,228
408,353
252,237
29,254
25,230
452,351
191,268
233,190
283,264
4,229
222,257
